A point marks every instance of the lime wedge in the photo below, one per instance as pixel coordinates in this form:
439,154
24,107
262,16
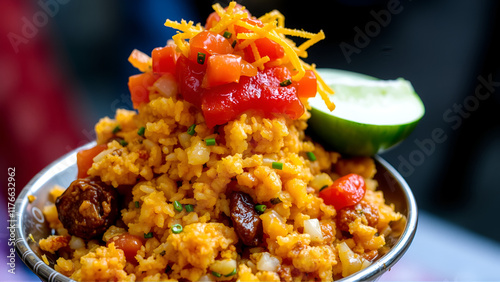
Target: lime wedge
371,116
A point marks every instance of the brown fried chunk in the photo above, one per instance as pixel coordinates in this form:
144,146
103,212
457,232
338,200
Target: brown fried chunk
246,220
368,214
87,208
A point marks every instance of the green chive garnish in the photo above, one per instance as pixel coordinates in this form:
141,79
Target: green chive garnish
210,141
311,156
231,274
163,253
216,274
227,34
177,206
117,129
201,58
148,235
324,187
260,208
286,82
141,131
277,165
176,228
233,44
189,208
190,130
123,143
136,203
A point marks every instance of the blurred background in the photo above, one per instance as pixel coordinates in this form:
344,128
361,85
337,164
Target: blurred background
63,65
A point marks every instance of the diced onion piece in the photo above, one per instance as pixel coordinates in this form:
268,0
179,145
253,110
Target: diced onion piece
351,262
268,262
76,243
166,85
224,266
313,228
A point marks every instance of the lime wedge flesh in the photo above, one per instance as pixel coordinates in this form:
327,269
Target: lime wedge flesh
371,115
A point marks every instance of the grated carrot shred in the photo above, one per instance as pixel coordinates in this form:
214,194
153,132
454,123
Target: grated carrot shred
260,62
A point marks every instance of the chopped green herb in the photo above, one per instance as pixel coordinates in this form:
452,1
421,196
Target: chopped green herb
231,274
176,228
137,205
311,156
324,187
286,82
216,274
201,58
189,208
210,141
233,44
190,130
141,131
275,201
177,206
227,34
123,143
260,208
117,129
163,253
277,165
148,235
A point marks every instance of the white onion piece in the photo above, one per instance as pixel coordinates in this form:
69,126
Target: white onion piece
312,227
268,263
166,85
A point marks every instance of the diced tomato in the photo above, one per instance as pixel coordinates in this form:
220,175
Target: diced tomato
138,85
128,243
84,159
345,191
164,59
222,69
261,93
189,77
208,43
265,46
307,87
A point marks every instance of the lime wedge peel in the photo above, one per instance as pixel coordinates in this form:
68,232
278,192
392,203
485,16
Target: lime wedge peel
371,115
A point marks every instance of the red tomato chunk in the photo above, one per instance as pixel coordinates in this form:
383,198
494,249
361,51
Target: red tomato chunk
345,191
139,87
164,59
208,43
128,243
85,159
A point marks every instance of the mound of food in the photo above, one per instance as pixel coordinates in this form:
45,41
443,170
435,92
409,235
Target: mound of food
212,178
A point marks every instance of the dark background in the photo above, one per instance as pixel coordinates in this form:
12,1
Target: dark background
74,70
